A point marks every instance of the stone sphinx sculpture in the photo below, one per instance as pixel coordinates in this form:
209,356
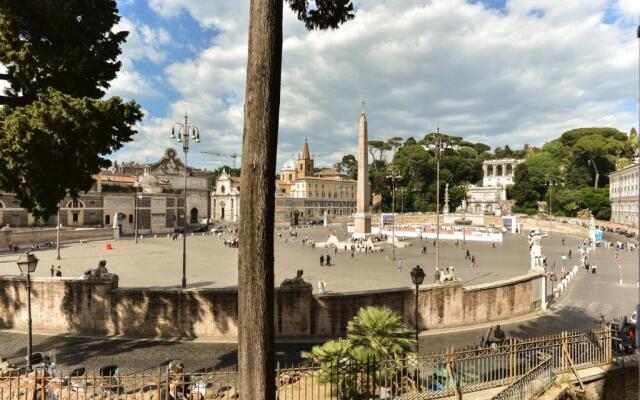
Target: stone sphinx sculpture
100,272
296,283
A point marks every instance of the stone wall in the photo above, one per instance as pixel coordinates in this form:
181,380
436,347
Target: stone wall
99,307
27,237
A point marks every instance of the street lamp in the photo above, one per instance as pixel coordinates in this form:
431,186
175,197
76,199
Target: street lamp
137,197
638,205
417,277
58,234
182,136
551,185
27,264
393,176
439,145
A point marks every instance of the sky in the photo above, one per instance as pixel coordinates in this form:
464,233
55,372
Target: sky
503,72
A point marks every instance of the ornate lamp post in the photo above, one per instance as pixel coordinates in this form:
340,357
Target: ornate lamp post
551,184
417,277
439,145
27,264
393,176
182,136
58,234
638,205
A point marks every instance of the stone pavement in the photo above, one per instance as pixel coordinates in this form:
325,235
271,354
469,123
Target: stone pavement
157,263
588,295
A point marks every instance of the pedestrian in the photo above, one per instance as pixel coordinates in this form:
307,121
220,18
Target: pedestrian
353,253
569,254
59,271
468,255
493,245
328,258
52,270
434,243
321,286
424,249
400,266
563,241
321,260
335,250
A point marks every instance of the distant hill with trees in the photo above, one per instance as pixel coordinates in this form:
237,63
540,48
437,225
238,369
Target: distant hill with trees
572,170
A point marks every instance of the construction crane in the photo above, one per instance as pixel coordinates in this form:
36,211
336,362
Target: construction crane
233,156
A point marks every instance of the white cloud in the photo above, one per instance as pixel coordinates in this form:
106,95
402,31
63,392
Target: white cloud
143,43
515,78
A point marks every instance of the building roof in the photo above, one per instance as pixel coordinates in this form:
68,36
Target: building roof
503,161
326,179
289,166
626,168
328,172
117,178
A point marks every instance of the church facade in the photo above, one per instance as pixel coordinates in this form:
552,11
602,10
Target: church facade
151,195
305,194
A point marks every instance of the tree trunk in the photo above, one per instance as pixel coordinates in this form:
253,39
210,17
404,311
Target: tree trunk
597,174
257,203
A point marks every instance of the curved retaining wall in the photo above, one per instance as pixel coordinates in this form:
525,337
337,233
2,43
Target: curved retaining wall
99,307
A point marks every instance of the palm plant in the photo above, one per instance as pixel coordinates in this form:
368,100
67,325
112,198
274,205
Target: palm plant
354,365
382,331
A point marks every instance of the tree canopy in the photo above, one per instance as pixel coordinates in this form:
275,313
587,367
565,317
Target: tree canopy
571,172
56,126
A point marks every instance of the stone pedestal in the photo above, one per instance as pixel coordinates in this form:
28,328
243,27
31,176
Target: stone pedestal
362,223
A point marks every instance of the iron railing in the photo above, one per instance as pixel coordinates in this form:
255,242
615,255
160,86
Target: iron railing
530,385
516,363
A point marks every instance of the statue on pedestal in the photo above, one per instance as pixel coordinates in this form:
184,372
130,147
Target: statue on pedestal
535,249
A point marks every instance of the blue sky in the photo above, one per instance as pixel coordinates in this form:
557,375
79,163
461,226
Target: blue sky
497,71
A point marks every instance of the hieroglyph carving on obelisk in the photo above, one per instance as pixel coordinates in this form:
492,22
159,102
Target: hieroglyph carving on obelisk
362,217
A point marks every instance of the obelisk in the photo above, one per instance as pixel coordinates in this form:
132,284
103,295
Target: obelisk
362,217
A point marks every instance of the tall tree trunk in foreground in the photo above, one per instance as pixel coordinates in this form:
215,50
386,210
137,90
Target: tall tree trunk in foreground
257,203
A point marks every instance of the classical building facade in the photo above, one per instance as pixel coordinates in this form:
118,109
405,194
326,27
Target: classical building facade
304,195
126,194
490,198
623,194
225,198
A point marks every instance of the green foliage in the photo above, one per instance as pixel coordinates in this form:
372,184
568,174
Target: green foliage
54,145
325,14
523,190
348,166
569,202
374,334
381,331
70,48
60,58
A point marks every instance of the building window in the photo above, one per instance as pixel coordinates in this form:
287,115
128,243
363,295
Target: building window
107,219
74,217
131,218
92,217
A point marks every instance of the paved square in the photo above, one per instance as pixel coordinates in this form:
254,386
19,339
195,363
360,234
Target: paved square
157,263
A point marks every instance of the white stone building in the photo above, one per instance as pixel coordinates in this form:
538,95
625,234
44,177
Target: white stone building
491,197
225,198
623,194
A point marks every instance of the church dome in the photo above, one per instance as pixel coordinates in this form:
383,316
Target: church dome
289,166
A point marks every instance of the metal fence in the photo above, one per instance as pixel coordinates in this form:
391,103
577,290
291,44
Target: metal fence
522,365
530,385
